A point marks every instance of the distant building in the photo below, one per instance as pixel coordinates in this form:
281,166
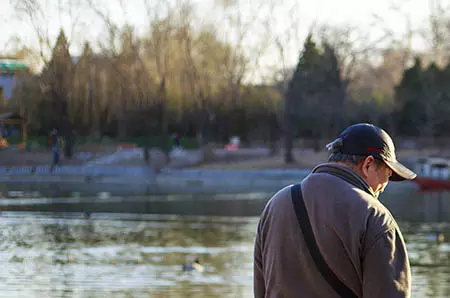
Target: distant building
9,68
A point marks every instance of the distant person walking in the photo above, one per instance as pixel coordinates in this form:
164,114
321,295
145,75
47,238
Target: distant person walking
176,142
330,236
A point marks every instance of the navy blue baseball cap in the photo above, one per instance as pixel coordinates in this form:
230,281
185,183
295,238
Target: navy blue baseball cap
365,139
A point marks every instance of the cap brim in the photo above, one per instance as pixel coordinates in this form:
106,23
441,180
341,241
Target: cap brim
400,172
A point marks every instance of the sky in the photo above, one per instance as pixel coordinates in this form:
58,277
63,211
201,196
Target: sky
358,13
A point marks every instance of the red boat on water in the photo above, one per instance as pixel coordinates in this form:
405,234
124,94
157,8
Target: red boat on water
435,174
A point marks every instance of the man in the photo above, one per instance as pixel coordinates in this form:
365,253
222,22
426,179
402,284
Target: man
329,236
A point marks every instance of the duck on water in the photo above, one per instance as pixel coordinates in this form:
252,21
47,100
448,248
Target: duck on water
194,266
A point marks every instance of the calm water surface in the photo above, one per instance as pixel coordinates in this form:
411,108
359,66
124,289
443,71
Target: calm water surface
111,255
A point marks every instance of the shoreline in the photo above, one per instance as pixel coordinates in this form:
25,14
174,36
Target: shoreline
136,181
144,181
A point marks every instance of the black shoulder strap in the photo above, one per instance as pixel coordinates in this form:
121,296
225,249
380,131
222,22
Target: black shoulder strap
305,226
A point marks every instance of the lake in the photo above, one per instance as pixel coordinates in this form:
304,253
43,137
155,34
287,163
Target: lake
123,255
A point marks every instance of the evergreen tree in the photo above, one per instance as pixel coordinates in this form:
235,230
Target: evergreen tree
57,78
431,100
333,92
315,100
81,109
443,110
409,95
303,85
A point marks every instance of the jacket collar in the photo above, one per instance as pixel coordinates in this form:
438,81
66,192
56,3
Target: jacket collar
346,174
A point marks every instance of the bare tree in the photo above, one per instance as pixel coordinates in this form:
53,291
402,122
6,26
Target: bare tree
122,48
283,42
438,34
39,13
240,28
157,53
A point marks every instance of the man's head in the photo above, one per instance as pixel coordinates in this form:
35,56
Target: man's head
370,151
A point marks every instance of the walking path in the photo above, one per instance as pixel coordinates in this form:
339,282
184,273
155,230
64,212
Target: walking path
116,156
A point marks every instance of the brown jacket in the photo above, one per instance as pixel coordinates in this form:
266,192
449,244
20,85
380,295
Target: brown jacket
355,233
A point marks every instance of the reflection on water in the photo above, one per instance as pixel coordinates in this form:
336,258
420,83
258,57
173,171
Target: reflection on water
123,256
430,258
50,255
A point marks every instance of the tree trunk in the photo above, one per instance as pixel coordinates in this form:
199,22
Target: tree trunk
288,147
288,132
164,121
273,134
121,124
67,131
90,109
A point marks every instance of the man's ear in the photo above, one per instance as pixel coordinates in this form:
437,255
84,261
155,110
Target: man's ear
368,161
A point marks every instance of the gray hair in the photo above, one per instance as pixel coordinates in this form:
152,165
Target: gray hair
347,158
350,158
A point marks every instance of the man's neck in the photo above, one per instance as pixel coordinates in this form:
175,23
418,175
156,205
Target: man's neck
352,167
355,169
